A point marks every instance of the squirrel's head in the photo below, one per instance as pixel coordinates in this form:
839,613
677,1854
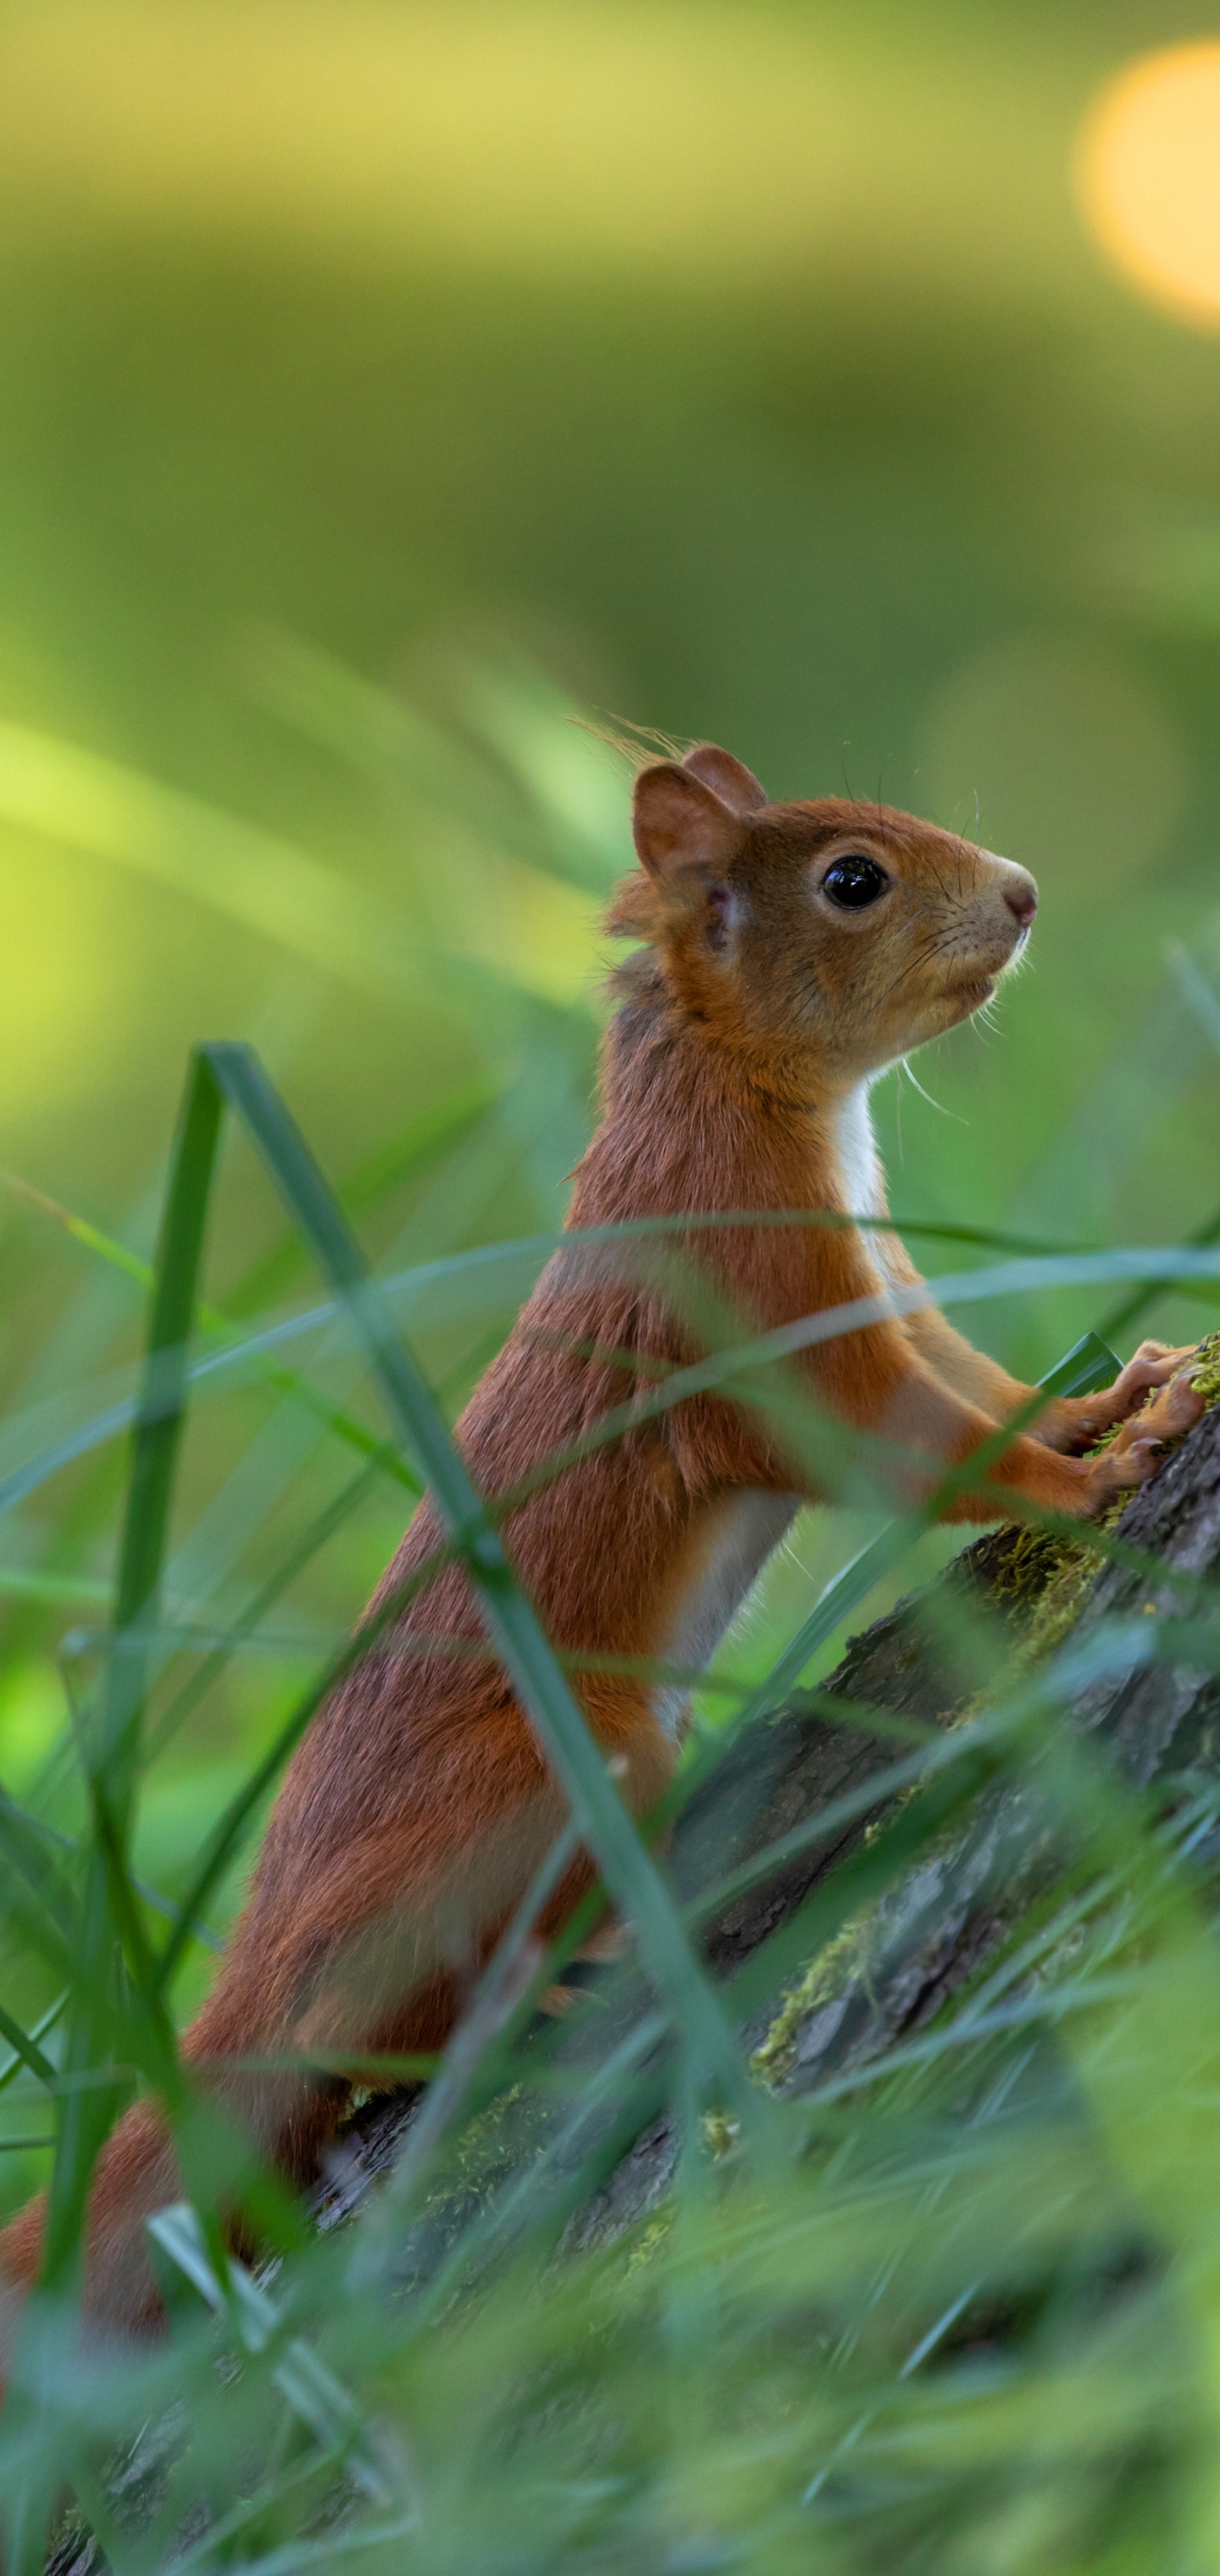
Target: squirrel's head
829,935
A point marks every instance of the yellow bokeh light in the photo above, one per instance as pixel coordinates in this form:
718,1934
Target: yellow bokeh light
1148,172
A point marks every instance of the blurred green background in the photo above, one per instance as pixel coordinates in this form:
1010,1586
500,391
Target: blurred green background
383,384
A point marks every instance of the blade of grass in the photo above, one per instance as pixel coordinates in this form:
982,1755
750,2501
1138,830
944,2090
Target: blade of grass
301,1554
578,1762
26,1585
1196,992
1166,1268
1088,1365
110,1749
112,1743
24,1850
407,1157
151,1896
25,2046
1031,1714
285,1382
49,2018
1131,1310
511,1973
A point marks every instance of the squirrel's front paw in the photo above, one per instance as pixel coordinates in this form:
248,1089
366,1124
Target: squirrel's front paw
1150,1366
1143,1440
1079,1420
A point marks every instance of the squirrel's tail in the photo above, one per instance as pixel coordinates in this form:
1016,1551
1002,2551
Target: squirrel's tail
138,2173
339,1966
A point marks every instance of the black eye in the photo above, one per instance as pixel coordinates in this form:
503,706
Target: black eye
854,882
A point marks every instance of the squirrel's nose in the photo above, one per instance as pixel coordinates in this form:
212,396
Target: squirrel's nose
1022,902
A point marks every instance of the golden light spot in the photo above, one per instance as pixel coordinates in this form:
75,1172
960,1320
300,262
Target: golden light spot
1148,175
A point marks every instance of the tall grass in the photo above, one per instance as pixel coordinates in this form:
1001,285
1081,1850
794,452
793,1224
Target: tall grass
964,2316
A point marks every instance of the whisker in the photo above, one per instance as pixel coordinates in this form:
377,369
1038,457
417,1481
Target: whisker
904,1067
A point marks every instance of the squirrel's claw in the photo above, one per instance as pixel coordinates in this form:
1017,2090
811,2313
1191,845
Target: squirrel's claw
1077,1421
1145,1436
1153,1365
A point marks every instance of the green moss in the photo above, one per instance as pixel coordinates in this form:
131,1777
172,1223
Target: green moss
822,1979
1033,1559
1068,1567
1059,1604
1207,1371
650,2242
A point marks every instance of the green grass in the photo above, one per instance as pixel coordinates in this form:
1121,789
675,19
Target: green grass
962,2316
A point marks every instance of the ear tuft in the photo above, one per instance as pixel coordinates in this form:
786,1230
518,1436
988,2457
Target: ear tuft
729,779
681,828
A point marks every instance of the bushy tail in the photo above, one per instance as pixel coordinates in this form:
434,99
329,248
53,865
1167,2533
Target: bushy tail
336,1964
138,2173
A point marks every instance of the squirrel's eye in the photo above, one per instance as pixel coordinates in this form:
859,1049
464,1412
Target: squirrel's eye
854,882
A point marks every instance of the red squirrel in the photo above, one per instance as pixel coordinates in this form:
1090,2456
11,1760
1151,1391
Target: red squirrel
787,954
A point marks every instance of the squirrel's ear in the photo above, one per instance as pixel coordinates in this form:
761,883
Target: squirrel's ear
680,827
729,779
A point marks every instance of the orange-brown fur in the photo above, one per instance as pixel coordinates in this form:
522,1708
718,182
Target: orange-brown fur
419,1803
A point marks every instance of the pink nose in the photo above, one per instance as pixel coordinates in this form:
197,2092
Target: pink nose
1022,902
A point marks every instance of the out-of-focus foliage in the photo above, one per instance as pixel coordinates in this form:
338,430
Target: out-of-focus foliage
748,369
385,385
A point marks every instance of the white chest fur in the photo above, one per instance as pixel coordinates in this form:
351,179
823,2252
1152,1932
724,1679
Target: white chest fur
860,1166
744,1529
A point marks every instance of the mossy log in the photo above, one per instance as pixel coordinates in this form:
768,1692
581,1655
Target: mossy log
937,1922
